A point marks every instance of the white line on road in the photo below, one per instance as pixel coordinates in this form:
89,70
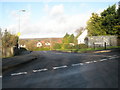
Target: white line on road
89,62
39,70
94,61
20,73
77,64
109,56
112,57
103,60
60,67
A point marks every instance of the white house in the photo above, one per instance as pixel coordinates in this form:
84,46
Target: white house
81,38
47,44
23,46
72,44
39,44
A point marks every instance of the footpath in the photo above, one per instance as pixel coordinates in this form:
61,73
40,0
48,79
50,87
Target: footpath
17,60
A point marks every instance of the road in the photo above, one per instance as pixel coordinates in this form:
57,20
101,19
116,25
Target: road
66,70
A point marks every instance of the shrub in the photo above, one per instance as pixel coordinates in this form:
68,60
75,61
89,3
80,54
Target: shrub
67,46
80,46
57,46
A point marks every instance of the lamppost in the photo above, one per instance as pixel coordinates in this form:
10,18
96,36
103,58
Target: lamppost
19,26
119,4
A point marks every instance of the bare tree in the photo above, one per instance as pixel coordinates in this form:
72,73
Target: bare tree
79,31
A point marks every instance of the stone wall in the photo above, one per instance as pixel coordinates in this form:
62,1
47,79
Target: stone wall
7,52
12,51
100,41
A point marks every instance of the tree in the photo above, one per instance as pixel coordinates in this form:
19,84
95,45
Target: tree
94,25
79,31
30,45
57,46
109,19
71,38
107,23
8,39
65,38
22,42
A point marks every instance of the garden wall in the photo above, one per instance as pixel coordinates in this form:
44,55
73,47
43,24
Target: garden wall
101,41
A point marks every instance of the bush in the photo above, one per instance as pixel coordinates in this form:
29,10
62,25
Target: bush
80,46
57,46
67,46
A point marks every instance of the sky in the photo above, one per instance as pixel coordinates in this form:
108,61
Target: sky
48,19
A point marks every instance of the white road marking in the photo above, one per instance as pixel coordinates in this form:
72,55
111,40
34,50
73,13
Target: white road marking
64,66
77,64
89,62
0,76
39,70
94,61
81,64
103,59
60,67
109,56
112,57
20,73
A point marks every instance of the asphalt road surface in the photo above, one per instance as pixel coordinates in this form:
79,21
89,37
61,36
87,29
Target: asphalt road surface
66,70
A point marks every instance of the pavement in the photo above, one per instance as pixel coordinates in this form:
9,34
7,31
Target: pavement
11,62
66,70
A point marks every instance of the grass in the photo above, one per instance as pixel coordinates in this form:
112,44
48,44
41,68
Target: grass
86,49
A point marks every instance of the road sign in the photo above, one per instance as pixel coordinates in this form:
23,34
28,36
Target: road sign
18,34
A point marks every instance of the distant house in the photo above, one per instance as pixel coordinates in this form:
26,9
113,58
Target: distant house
47,44
39,44
59,41
23,46
43,42
72,44
81,38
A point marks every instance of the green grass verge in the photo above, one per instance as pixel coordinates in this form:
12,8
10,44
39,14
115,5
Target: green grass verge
86,49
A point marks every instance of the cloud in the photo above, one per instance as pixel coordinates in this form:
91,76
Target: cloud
55,24
46,8
57,10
